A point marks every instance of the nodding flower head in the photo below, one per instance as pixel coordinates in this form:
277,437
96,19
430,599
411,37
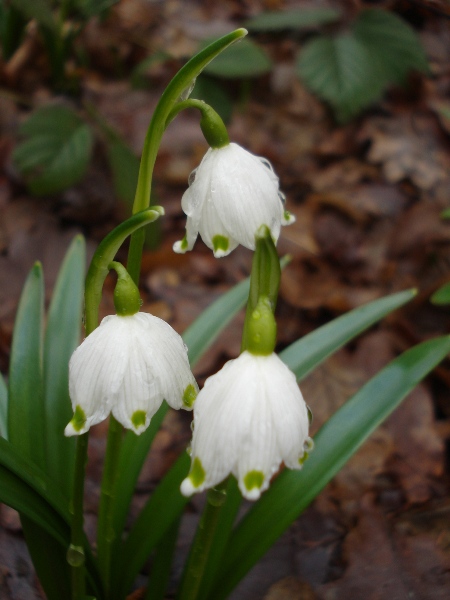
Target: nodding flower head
127,367
230,195
248,419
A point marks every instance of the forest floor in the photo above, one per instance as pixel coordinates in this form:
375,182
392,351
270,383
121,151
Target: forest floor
367,197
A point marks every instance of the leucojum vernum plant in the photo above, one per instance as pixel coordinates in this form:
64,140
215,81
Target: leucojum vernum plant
250,419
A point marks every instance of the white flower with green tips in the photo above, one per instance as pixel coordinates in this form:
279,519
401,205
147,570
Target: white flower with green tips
248,419
127,367
230,196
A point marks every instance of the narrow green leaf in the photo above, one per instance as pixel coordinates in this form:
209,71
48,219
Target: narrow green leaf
26,422
198,337
61,338
335,443
29,491
245,60
302,18
56,151
162,564
442,295
3,408
306,353
155,519
51,565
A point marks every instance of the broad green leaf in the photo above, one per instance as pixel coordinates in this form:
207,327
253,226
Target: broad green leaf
341,71
241,61
335,443
57,149
61,338
306,353
26,423
301,18
40,10
442,295
392,43
3,408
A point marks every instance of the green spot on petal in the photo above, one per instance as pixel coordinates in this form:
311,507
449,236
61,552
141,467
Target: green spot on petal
189,396
220,243
253,479
184,244
138,418
79,418
197,474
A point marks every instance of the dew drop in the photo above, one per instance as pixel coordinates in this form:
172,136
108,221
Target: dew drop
217,497
75,556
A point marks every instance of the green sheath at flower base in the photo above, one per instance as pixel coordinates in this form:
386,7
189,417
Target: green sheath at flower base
127,300
260,328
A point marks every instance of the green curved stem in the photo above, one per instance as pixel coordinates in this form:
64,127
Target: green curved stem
176,90
211,124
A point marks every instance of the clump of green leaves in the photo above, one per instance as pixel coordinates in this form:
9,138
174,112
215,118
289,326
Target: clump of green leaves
59,23
352,69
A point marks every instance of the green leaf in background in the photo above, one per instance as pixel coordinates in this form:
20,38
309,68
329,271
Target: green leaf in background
392,43
3,408
211,91
442,295
125,169
26,423
90,8
57,150
302,18
243,60
351,71
61,338
39,10
12,27
335,443
339,70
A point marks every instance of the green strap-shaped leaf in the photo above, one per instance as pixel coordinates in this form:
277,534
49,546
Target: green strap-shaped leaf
3,408
61,338
335,443
302,357
26,423
162,564
246,60
29,491
306,353
302,18
158,515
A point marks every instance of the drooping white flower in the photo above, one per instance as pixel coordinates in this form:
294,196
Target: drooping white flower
230,196
127,367
248,418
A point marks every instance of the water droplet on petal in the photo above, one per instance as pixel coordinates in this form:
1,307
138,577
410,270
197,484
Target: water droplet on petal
216,497
266,163
282,197
189,450
308,444
310,415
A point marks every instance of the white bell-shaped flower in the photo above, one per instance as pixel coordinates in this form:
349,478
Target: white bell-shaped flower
248,419
230,196
127,367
